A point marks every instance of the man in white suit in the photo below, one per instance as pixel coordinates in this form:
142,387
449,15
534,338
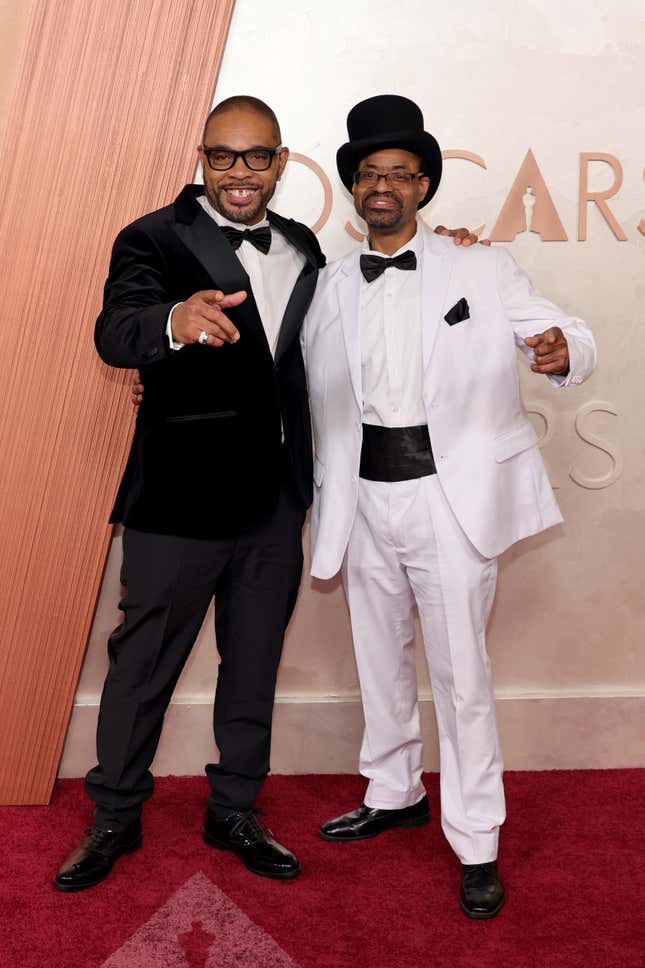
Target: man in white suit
427,468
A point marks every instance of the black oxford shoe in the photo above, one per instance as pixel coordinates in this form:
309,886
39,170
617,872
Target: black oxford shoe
242,833
370,821
90,862
482,893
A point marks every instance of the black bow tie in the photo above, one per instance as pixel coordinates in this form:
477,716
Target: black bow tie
260,238
372,266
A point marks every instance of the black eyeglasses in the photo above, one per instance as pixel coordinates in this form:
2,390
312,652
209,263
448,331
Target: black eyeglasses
369,178
257,159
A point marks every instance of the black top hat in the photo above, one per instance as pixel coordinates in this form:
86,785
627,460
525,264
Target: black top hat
388,121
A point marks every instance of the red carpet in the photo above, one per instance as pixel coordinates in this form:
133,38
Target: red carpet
573,861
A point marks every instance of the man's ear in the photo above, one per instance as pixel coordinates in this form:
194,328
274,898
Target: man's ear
282,161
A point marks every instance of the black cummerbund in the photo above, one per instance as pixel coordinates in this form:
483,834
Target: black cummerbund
396,453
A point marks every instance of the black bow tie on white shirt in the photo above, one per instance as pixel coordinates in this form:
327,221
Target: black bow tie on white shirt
260,238
372,266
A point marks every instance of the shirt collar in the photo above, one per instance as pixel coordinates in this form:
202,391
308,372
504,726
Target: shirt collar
415,244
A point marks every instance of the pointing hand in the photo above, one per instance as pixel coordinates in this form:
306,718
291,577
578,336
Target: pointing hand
551,351
202,313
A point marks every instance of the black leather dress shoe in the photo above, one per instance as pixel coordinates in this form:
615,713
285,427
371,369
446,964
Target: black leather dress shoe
482,893
90,862
242,833
370,821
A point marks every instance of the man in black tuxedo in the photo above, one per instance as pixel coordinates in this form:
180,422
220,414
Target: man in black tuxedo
215,490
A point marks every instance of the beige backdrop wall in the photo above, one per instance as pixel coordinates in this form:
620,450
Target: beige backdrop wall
495,80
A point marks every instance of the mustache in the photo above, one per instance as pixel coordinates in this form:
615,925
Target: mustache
393,195
240,184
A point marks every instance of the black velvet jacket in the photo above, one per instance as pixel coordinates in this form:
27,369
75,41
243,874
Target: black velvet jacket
206,458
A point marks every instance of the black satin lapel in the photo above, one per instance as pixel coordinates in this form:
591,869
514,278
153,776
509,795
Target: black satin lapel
303,290
208,244
296,234
297,306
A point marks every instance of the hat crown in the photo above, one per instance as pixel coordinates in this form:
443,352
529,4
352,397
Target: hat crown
383,114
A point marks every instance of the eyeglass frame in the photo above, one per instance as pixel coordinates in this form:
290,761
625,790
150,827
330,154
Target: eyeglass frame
389,176
241,154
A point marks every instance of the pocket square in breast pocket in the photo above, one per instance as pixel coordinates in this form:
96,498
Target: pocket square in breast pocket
458,313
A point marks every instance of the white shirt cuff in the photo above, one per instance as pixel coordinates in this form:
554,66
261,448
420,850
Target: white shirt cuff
173,344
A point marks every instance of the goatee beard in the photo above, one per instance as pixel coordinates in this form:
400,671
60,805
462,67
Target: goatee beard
382,218
234,213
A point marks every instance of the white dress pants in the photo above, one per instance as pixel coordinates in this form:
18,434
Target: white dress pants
406,546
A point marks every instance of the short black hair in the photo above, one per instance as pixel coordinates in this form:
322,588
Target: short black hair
245,101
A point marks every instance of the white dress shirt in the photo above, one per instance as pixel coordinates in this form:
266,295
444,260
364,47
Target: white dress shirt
272,276
391,348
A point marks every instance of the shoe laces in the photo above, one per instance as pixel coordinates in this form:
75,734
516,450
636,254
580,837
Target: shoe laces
250,826
99,839
477,875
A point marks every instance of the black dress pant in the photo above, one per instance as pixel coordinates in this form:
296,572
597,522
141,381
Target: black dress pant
169,583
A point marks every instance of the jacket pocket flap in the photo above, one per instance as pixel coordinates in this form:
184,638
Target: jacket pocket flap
507,445
319,470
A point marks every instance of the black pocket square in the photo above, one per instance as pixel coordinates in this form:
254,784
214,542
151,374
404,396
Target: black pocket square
458,313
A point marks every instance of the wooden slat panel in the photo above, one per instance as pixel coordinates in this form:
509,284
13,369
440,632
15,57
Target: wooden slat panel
106,116
14,22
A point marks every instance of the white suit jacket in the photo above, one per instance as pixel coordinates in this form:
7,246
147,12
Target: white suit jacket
484,445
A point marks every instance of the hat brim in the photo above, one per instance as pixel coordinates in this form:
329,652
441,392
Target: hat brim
422,144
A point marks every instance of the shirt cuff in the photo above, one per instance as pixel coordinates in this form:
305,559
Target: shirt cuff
173,344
